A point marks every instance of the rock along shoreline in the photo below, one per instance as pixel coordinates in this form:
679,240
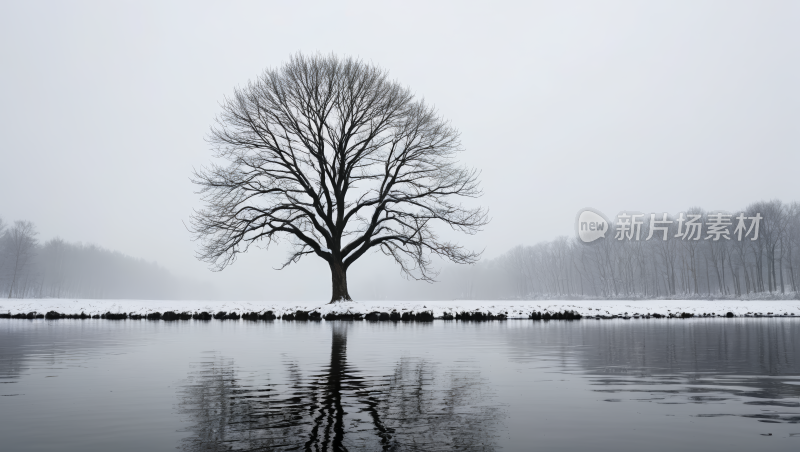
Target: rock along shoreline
398,311
375,316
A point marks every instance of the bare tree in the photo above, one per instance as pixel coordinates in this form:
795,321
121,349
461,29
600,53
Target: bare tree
776,221
333,156
19,245
793,242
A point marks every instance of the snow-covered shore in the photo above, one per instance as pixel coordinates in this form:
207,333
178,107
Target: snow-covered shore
512,308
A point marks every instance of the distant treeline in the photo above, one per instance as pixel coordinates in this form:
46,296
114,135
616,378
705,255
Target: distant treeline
679,267
58,269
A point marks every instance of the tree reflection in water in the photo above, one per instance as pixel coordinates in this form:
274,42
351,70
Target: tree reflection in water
417,407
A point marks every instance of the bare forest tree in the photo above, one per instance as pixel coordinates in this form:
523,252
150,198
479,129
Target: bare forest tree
58,269
19,246
338,159
685,266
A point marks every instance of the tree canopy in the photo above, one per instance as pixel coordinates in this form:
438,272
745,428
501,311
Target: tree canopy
335,157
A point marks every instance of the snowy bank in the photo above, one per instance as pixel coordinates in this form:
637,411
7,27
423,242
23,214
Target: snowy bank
511,308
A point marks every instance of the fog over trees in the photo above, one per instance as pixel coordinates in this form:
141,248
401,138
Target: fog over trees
562,268
59,269
674,268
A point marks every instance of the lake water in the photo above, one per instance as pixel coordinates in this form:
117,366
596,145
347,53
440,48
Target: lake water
615,385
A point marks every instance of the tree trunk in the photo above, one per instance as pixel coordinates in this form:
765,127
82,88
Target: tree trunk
339,282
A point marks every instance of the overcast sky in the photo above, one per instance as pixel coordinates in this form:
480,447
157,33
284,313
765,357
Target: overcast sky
648,106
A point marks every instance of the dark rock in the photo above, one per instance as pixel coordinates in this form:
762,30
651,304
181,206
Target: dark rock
96,316
269,315
301,315
133,316
287,316
53,315
373,316
425,316
394,316
154,316
478,316
408,317
448,316
573,315
385,316
202,316
169,315
566,315
729,314
114,316
7,315
220,315
686,315
343,316
256,316
315,315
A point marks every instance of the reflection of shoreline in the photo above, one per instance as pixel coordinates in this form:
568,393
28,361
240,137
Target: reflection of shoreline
27,342
648,347
416,407
752,347
742,366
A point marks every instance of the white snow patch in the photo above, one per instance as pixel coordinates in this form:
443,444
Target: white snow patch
512,308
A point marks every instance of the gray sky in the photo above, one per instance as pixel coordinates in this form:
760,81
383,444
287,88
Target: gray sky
562,105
